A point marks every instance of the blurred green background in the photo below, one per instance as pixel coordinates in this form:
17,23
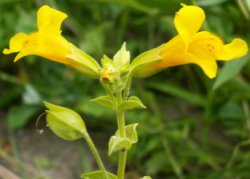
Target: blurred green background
194,127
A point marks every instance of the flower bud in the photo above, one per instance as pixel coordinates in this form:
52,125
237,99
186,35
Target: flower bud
65,122
122,59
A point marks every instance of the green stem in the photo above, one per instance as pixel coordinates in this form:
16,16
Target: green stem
127,86
121,127
108,90
122,164
122,154
96,154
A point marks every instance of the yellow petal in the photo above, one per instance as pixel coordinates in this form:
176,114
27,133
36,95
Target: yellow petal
204,46
30,46
26,52
188,21
53,47
207,64
174,47
50,19
178,59
236,49
17,43
176,53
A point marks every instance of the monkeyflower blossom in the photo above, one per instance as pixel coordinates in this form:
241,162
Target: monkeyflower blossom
48,42
189,46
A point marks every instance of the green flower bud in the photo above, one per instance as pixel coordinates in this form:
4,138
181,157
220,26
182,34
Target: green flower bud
110,74
122,59
65,122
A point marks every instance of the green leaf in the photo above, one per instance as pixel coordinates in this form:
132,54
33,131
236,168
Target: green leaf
210,2
131,103
65,122
179,92
229,70
118,143
18,116
98,175
131,133
104,101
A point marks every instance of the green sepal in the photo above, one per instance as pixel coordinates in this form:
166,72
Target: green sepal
105,101
118,143
131,103
122,59
65,122
131,133
144,64
106,61
83,62
123,143
98,175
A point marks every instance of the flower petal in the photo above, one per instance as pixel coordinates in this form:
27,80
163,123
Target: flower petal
236,49
188,21
204,46
27,51
17,43
175,46
50,19
207,64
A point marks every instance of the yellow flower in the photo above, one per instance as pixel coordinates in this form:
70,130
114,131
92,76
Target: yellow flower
190,46
48,42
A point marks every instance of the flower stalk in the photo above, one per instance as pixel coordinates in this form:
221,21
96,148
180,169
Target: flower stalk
95,154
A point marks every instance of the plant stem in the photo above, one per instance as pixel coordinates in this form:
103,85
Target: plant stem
127,86
96,154
122,164
122,154
121,127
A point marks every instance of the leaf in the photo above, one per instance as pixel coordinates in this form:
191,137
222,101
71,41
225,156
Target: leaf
210,2
104,101
98,175
229,70
131,133
65,122
231,110
18,116
179,92
118,143
131,103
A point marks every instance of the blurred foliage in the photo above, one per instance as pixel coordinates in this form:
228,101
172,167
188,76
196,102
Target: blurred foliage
194,127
